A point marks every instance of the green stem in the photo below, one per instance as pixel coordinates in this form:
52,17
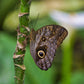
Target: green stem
67,62
67,56
22,37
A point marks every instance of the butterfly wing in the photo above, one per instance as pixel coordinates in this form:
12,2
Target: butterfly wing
46,39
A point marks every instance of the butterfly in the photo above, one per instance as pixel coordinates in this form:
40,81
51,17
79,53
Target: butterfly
44,42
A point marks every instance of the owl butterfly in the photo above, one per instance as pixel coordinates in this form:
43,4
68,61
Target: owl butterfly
44,42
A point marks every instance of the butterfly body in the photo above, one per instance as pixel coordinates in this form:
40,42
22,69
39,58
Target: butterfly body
44,42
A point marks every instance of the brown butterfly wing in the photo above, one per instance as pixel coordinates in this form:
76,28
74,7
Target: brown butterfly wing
47,38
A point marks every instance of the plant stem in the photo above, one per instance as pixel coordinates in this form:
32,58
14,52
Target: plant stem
67,56
22,37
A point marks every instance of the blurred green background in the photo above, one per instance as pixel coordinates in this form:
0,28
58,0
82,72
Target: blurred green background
68,65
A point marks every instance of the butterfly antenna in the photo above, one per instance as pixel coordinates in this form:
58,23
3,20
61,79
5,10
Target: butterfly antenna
30,23
36,21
